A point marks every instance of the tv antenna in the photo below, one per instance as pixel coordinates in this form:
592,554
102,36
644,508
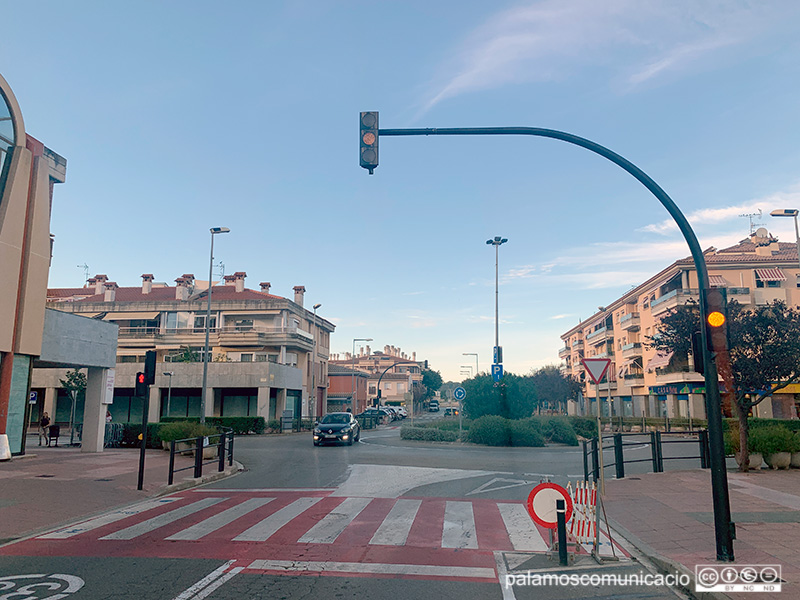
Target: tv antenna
85,268
221,266
753,221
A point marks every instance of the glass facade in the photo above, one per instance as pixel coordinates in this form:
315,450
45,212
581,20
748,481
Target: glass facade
6,139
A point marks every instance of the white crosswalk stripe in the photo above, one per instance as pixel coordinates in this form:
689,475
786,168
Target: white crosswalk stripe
335,522
262,531
394,529
522,531
149,525
220,520
458,530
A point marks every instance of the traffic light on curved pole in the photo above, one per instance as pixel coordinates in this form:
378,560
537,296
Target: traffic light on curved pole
716,316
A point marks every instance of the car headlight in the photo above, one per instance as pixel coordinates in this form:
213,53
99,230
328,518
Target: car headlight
346,430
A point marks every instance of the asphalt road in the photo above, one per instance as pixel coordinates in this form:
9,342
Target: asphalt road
384,518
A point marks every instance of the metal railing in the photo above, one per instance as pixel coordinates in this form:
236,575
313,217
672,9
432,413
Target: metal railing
656,442
224,446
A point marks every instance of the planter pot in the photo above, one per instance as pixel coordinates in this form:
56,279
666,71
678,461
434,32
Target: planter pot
210,452
178,447
779,460
795,461
755,460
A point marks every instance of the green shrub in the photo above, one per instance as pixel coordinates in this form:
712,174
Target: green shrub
131,432
770,440
731,441
790,424
240,425
427,434
584,426
524,432
560,431
274,424
794,446
181,430
490,430
446,425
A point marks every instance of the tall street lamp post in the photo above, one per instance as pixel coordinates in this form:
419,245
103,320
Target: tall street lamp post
497,241
313,367
790,212
353,374
475,354
214,231
169,389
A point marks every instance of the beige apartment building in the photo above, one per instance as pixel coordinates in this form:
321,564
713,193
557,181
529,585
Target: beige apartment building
642,382
267,354
402,372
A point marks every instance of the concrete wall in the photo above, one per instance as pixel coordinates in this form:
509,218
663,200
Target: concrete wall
77,341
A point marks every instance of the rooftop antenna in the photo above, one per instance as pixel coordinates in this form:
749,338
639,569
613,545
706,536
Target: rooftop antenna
754,222
221,267
85,268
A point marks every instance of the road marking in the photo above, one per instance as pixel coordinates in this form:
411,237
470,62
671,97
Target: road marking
269,490
393,481
502,571
458,530
161,520
219,582
512,483
218,521
372,568
395,527
522,531
210,578
262,531
335,522
112,517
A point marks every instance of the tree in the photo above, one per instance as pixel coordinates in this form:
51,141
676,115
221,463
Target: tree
75,386
554,388
514,397
763,357
432,380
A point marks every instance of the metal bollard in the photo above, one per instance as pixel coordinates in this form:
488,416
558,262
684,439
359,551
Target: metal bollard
654,451
198,458
561,524
171,462
585,462
230,452
595,465
618,457
660,453
221,452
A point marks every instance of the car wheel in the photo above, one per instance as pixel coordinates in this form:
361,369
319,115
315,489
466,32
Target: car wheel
358,437
316,443
350,441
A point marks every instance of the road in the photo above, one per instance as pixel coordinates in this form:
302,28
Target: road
384,518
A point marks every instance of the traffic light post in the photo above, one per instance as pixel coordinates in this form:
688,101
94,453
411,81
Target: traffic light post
142,390
723,528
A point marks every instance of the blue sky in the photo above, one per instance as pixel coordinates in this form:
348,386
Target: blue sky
176,117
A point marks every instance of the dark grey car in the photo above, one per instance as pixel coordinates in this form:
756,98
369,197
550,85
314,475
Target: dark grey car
337,427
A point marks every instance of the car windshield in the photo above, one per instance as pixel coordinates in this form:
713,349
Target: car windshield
336,418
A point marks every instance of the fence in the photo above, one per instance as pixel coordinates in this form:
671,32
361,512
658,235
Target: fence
656,442
198,445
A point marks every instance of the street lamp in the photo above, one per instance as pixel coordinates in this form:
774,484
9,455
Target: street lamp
169,389
465,371
790,212
475,354
497,241
353,374
313,367
214,231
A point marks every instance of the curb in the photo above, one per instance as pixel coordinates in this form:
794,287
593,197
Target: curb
663,563
196,482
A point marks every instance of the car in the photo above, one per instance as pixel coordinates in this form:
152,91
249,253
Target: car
373,413
433,406
402,412
450,412
337,427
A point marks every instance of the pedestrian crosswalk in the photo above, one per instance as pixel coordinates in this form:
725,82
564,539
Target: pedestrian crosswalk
282,521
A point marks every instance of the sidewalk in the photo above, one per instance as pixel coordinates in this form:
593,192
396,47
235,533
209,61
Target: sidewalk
49,487
669,517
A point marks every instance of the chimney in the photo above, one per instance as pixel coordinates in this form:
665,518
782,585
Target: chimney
369,351
414,356
90,283
265,285
299,292
99,281
110,293
181,289
229,279
239,280
147,283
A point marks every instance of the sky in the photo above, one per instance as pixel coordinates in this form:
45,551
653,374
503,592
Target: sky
176,117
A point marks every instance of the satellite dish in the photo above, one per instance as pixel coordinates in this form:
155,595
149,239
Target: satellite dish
762,232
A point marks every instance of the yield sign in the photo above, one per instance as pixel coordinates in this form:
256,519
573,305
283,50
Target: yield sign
596,367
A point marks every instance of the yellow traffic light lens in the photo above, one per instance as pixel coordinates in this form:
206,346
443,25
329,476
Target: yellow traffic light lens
716,319
369,138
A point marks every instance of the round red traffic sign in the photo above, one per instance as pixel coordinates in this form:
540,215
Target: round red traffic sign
542,504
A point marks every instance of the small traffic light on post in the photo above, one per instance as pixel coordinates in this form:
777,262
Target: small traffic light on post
141,386
150,367
368,140
697,353
716,315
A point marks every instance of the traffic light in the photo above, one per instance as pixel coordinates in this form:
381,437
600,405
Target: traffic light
716,314
150,367
368,140
697,353
141,386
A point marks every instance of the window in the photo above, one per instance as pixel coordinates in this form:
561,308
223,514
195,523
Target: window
246,357
243,324
401,388
387,386
262,357
372,390
128,359
200,322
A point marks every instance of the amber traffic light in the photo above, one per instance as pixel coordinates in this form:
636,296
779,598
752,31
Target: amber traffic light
368,140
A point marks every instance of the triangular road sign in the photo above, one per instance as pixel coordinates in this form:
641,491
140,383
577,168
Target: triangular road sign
596,367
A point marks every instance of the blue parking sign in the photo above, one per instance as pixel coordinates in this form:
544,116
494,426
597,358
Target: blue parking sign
497,372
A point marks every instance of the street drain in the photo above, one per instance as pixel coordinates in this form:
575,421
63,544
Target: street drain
45,475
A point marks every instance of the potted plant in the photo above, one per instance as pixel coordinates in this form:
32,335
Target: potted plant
731,440
186,430
774,443
794,448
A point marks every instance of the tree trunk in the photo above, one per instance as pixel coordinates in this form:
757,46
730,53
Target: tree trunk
744,434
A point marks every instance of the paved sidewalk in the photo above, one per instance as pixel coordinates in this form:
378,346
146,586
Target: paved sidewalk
49,487
669,517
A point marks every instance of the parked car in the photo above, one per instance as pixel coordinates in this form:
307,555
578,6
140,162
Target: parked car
374,413
433,406
337,427
402,412
450,412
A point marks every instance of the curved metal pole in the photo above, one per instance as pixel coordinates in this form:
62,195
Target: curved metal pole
719,479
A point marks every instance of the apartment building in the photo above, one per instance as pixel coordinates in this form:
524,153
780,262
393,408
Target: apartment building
397,372
267,353
641,381
347,389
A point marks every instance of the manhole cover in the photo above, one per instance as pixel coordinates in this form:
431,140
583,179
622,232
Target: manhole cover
45,475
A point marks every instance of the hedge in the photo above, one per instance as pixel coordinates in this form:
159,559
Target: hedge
559,430
131,432
181,430
525,433
240,425
584,426
490,430
790,424
427,434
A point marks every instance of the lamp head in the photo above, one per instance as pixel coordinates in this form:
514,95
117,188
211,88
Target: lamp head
169,373
316,306
784,212
216,230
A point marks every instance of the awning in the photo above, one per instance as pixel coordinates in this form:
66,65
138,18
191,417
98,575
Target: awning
770,275
717,281
659,360
623,368
126,316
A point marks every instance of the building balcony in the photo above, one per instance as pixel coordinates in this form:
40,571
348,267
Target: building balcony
630,322
678,377
673,299
291,337
632,350
740,294
599,335
577,344
564,352
634,379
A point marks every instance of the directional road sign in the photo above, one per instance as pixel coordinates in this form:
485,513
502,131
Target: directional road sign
497,372
596,367
459,393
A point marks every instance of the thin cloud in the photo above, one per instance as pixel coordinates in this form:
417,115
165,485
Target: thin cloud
564,316
552,39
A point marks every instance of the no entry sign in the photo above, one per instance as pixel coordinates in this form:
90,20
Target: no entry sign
542,504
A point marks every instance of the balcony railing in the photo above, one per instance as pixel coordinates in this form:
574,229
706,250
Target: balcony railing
562,352
634,376
738,291
234,335
598,333
631,321
634,349
577,344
